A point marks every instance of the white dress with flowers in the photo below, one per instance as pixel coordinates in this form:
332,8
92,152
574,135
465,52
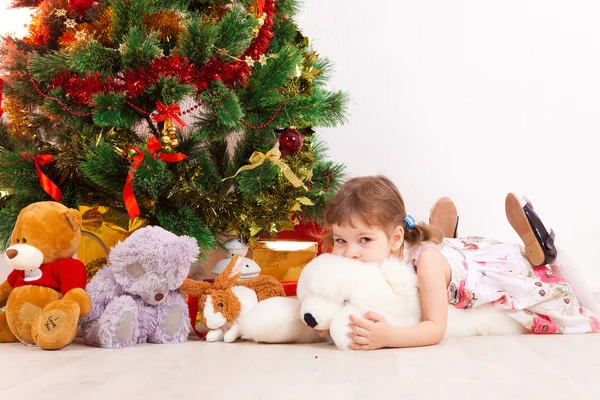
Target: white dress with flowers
486,271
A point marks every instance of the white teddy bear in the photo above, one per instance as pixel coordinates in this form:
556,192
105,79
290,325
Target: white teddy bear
331,288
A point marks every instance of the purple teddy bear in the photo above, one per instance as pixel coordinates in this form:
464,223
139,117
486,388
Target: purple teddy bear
136,297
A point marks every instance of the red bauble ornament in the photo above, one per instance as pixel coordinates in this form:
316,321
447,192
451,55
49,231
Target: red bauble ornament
290,141
80,6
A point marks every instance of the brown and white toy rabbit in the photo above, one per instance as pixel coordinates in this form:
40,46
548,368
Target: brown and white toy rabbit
223,302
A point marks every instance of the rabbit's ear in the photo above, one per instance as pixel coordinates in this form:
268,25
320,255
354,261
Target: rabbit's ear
237,266
194,288
230,275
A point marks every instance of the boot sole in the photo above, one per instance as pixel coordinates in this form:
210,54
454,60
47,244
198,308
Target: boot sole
444,216
518,220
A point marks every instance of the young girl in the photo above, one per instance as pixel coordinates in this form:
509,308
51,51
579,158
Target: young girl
369,223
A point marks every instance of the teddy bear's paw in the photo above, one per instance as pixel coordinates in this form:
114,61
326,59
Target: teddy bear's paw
172,325
118,324
340,338
124,332
214,335
173,321
6,336
56,325
340,327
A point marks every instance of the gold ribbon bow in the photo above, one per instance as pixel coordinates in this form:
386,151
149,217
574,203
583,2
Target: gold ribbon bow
274,155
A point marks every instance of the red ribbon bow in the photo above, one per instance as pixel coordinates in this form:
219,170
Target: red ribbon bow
49,186
128,196
260,6
153,147
171,111
136,161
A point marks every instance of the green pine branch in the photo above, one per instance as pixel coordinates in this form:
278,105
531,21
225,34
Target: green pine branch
197,42
139,49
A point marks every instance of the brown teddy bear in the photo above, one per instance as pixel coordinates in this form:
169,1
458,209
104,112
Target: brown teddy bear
45,292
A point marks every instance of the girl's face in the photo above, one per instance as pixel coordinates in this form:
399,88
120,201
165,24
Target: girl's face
364,243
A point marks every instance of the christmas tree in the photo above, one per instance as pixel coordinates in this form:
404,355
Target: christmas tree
198,116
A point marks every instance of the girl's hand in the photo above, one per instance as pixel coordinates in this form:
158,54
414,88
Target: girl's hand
369,333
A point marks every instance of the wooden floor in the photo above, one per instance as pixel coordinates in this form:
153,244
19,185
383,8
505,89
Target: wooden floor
518,367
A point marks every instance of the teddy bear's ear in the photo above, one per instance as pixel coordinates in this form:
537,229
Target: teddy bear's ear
74,218
189,246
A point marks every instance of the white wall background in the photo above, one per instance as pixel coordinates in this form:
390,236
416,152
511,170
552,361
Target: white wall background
472,99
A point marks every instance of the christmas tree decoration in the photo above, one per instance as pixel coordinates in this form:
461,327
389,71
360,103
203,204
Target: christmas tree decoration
164,112
257,159
18,120
45,182
290,141
80,6
166,22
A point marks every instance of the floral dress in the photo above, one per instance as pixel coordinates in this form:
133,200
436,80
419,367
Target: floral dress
485,271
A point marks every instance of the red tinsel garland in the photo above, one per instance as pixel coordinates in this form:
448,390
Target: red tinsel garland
133,83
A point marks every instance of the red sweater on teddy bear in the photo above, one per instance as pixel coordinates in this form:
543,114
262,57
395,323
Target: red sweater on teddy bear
61,275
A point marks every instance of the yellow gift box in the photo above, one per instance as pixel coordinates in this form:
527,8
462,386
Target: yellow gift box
282,259
102,228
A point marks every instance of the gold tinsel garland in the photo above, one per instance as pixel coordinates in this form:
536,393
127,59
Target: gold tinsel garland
94,266
166,23
18,123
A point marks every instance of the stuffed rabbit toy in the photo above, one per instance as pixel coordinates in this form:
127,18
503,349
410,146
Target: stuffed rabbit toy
223,302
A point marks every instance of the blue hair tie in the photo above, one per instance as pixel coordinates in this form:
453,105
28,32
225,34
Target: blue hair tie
410,222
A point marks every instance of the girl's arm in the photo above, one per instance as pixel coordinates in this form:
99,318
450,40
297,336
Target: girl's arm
432,271
375,332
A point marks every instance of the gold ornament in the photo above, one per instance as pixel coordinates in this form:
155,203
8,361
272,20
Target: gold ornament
169,136
261,19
